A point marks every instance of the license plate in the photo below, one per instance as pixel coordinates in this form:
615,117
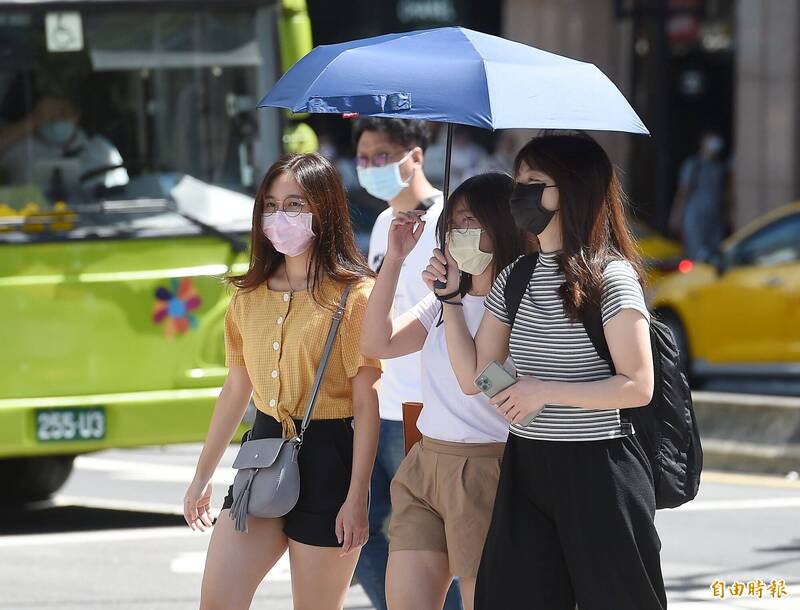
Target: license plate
76,424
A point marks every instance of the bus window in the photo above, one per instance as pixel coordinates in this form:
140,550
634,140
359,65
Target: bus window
151,124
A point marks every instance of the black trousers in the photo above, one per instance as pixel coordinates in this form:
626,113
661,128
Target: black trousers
572,523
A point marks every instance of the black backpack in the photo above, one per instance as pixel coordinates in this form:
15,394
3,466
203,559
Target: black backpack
666,428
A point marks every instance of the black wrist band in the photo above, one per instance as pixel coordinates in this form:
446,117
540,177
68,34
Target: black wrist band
445,297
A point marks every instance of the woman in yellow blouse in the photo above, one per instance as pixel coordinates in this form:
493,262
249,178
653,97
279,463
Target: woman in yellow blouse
303,254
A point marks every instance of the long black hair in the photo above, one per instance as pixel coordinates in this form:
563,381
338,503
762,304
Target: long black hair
594,230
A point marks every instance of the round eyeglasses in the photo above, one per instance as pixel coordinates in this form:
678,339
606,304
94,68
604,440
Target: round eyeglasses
292,206
470,225
379,160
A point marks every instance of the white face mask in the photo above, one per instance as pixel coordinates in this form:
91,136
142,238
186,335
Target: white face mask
465,249
384,182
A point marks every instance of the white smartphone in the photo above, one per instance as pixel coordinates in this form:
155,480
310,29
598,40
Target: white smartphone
493,380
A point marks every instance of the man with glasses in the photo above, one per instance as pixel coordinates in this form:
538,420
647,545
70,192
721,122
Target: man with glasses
389,161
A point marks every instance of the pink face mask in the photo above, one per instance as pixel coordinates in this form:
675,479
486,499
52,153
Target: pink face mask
289,235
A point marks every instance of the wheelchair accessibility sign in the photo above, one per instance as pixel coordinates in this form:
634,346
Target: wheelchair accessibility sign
64,32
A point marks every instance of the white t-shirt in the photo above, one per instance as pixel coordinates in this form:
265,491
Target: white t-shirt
92,153
448,414
400,381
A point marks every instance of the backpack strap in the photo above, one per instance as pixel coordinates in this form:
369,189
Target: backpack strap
517,283
592,318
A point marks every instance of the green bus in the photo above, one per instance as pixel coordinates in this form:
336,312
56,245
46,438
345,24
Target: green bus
130,149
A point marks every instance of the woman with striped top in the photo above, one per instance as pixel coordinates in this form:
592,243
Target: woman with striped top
573,516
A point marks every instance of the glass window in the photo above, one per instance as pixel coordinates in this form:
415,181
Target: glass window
777,243
152,123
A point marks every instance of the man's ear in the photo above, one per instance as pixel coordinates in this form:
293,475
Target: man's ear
417,156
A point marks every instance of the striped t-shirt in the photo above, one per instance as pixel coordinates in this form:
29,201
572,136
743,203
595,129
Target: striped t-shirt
546,344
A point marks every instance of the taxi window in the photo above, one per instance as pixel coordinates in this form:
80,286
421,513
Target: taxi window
777,243
151,122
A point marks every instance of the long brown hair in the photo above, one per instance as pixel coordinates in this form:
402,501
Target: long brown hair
334,255
594,230
487,197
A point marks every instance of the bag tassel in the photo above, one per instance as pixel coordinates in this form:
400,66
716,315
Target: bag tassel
238,510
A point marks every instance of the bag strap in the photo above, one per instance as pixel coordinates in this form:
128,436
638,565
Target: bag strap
323,364
517,283
591,316
592,319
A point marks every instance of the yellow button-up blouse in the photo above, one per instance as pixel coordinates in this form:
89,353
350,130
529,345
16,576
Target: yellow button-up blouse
279,336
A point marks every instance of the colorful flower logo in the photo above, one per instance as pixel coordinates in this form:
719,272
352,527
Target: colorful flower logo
174,307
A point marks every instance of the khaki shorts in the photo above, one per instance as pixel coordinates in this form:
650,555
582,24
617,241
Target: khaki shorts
442,500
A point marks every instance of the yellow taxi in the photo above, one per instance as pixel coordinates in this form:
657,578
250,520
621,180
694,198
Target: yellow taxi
738,314
660,254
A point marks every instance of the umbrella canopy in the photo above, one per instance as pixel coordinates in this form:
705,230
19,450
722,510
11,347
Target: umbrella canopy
455,75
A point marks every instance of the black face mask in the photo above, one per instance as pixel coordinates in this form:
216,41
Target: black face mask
527,209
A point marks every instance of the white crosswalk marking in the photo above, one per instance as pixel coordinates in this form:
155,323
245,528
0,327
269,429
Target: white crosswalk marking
188,563
150,533
194,563
152,481
129,470
754,504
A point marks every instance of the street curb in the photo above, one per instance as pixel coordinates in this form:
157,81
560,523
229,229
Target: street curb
748,432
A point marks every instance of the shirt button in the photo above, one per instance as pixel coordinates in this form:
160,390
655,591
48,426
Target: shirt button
286,296
274,374
280,319
276,346
272,403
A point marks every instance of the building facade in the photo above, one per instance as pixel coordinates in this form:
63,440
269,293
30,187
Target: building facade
688,66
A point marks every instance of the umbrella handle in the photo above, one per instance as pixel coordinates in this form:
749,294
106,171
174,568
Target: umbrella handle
437,284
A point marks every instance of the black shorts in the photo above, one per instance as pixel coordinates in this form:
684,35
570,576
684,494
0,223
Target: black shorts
325,461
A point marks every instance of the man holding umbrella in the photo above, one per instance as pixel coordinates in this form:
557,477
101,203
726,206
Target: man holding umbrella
389,158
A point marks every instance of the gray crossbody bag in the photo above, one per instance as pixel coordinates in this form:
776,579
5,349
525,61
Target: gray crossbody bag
267,483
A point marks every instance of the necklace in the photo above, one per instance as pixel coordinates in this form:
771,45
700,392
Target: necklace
288,281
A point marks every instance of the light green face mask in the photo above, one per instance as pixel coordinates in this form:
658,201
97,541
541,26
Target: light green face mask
465,248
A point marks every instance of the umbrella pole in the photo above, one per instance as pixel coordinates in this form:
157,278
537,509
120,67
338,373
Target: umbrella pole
446,192
447,155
